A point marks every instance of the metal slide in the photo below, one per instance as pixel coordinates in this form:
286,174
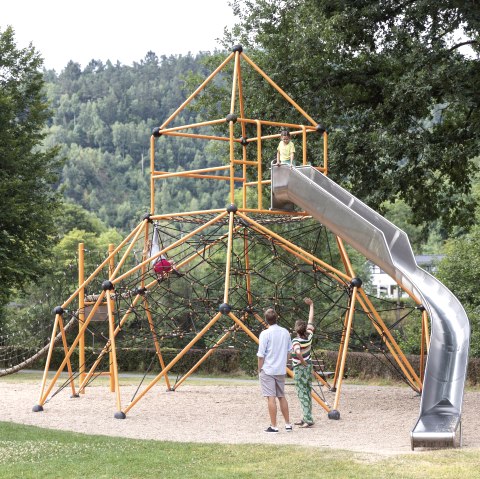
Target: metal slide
439,423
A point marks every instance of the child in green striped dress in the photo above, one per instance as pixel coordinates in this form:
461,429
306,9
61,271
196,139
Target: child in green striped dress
302,365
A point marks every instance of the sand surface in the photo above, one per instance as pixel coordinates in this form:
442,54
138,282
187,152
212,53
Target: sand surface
374,419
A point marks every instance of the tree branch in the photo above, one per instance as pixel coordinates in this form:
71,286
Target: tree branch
459,45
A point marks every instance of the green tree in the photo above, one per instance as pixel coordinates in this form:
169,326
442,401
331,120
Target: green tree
459,271
390,82
28,172
75,217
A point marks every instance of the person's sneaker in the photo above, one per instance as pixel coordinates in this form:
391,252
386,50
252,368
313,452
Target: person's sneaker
288,428
306,424
271,429
299,423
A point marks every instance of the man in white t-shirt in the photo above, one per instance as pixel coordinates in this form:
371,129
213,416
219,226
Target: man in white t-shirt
274,346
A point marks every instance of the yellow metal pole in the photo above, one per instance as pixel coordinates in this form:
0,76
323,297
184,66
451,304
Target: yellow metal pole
349,269
243,129
174,361
244,193
345,349
232,164
146,252
49,357
65,349
202,359
198,90
125,255
197,135
234,83
152,170
392,345
274,85
189,172
243,327
344,256
342,346
111,331
229,257
241,102
81,311
155,340
72,348
424,344
427,330
295,128
180,214
111,269
422,351
304,145
259,167
248,280
177,130
325,153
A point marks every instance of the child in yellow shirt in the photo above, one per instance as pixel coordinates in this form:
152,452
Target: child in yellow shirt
285,149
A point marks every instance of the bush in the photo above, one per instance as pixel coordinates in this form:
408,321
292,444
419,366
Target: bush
230,361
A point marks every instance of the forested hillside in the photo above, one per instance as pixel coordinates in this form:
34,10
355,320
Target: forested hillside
103,116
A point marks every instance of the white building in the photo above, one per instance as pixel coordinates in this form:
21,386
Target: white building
383,286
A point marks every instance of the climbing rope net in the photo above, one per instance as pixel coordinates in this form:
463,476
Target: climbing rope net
157,315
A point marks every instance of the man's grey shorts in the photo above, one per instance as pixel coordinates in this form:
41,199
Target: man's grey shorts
272,385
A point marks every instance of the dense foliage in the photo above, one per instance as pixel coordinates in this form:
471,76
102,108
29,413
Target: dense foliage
391,83
459,271
28,172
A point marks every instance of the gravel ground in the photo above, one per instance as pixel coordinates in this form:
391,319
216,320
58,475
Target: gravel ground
374,419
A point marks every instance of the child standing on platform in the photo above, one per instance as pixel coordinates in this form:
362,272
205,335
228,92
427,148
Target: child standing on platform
285,149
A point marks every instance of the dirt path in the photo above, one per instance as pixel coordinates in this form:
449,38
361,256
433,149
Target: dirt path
374,419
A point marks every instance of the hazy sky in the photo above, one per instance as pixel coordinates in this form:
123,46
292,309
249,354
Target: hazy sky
115,30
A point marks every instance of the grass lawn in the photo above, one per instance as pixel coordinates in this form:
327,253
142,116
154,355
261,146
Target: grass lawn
32,452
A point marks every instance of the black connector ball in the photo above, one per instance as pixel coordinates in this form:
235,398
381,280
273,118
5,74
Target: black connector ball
156,132
237,48
224,308
232,208
107,285
231,117
334,414
356,282
58,310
